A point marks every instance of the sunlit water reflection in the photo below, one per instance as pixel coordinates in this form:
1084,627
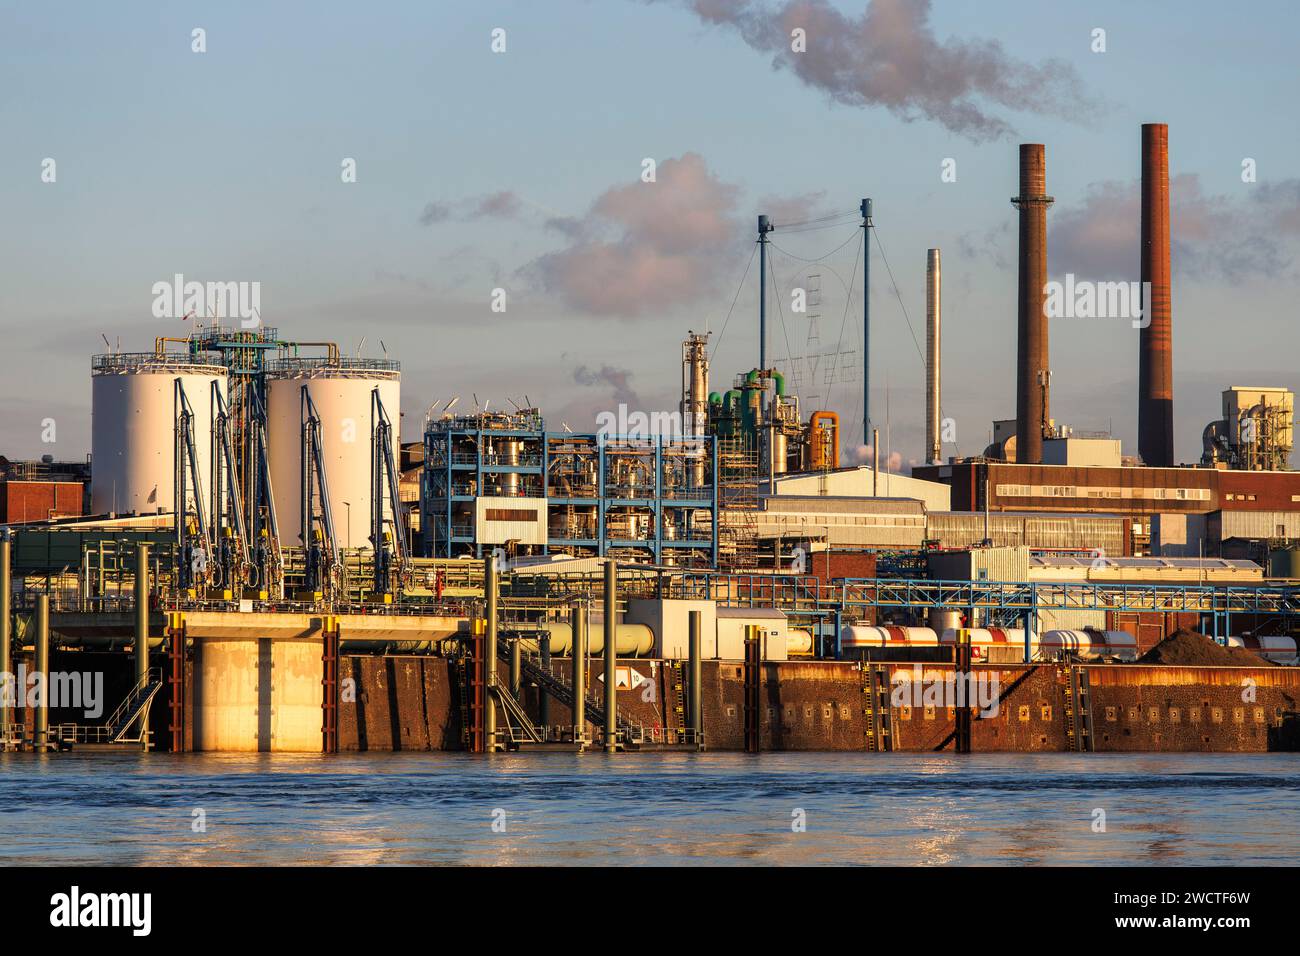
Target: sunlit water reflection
716,808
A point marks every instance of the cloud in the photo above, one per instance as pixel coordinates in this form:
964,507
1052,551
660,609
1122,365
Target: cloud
620,379
791,209
1211,236
890,57
646,246
498,205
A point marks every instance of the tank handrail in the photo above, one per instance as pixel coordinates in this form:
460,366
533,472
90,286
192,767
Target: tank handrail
332,348
160,344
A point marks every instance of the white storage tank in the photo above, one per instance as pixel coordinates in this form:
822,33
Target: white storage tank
1090,645
133,427
860,636
999,645
340,390
1273,648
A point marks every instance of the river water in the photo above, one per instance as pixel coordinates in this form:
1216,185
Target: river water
666,809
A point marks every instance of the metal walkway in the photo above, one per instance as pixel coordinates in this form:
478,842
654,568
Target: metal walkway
562,690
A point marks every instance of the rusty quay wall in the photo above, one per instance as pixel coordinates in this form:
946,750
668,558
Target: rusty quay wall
413,703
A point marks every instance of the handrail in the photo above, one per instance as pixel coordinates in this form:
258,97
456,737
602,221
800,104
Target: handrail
151,677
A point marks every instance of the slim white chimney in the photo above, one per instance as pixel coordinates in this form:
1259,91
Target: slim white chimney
933,291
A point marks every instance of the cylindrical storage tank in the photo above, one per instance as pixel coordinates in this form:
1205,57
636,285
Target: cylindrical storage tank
986,639
943,619
133,428
860,636
341,391
1273,648
1089,645
798,642
1284,563
634,640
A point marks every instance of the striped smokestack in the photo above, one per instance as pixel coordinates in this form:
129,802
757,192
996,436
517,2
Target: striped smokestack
1155,340
1032,412
933,291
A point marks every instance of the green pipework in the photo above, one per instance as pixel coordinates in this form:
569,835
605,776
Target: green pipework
715,398
780,382
751,376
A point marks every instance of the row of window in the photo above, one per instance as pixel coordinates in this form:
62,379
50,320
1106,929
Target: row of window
1084,491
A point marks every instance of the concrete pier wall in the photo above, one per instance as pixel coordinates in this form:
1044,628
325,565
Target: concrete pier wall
257,695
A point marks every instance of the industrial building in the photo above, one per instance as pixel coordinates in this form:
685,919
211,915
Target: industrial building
502,481
250,509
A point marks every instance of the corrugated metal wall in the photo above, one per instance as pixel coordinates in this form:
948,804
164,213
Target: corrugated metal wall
1254,524
1070,532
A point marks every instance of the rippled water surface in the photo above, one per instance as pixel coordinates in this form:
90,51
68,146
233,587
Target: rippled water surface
650,808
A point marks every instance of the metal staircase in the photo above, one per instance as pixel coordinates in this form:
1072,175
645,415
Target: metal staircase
129,711
562,691
519,727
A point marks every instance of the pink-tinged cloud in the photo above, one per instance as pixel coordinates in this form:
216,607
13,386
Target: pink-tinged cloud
1211,235
646,246
889,56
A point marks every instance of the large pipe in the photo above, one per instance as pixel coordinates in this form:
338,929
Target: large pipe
42,721
634,640
141,614
611,656
933,290
142,630
696,695
544,698
490,654
1155,340
8,685
1032,369
578,621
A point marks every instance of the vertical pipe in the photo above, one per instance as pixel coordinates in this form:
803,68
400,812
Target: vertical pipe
875,464
865,208
1155,340
1032,411
543,698
141,614
697,696
490,654
8,685
42,721
933,310
578,623
516,680
611,656
764,227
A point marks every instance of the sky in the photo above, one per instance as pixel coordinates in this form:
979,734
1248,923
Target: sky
523,169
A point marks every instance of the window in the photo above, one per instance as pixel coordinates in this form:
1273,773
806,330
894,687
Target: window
511,514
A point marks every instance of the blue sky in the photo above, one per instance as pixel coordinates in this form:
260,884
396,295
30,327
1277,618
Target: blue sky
225,165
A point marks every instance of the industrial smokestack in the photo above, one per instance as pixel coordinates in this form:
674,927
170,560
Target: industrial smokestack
1155,340
1032,374
933,291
